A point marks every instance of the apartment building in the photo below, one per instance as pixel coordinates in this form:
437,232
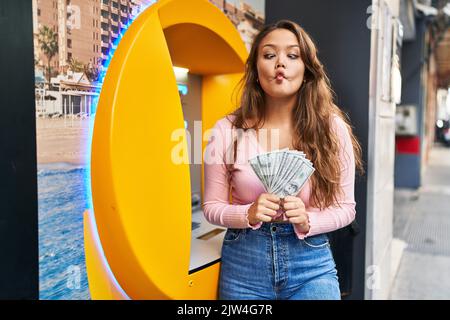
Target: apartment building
86,29
245,18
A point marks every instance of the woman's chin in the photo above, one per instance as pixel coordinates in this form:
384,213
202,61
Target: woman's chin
281,94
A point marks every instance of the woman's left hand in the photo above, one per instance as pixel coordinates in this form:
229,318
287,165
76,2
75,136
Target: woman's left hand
295,211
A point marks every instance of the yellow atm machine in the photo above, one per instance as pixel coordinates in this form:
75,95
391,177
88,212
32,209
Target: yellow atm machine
146,237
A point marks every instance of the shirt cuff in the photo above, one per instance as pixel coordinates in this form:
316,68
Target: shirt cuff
239,218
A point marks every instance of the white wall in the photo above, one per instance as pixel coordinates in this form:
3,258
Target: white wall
381,153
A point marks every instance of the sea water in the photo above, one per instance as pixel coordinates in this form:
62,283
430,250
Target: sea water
62,199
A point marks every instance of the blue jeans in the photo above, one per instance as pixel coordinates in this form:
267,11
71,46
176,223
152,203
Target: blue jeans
272,263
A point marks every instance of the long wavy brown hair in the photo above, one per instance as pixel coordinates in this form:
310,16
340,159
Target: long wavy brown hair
312,116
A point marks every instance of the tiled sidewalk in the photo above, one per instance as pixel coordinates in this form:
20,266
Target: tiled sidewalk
422,220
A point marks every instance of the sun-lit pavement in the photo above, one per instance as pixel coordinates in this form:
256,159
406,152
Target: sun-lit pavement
422,220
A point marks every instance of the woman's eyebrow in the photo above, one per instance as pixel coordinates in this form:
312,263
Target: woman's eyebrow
275,46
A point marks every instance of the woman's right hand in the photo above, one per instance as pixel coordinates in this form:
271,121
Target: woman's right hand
264,208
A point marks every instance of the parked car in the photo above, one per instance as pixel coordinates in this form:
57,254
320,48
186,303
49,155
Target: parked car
443,131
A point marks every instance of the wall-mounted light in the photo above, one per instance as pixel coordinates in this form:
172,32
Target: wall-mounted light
181,74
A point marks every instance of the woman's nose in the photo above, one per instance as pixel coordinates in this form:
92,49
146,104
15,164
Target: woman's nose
280,63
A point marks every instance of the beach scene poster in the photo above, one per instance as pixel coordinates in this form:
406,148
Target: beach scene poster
73,41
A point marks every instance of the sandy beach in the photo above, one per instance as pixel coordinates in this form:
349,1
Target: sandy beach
62,140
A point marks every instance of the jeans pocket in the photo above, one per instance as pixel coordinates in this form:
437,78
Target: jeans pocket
232,235
319,241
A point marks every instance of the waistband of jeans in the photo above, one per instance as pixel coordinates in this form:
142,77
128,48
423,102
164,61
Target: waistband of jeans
277,227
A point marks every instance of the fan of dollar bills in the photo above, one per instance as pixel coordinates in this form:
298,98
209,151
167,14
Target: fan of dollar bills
282,172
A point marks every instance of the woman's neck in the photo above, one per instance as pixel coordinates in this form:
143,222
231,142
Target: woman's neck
279,110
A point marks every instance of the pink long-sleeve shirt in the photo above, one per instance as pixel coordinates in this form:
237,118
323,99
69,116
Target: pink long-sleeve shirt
246,186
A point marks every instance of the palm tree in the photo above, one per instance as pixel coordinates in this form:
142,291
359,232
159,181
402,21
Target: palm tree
75,65
48,41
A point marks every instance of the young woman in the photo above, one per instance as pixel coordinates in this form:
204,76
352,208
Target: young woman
278,248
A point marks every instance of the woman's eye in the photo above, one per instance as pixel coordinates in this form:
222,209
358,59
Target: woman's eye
291,56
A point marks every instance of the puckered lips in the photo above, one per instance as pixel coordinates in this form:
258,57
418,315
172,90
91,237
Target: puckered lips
280,76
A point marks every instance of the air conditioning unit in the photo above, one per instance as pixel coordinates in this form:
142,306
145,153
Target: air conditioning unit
406,120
